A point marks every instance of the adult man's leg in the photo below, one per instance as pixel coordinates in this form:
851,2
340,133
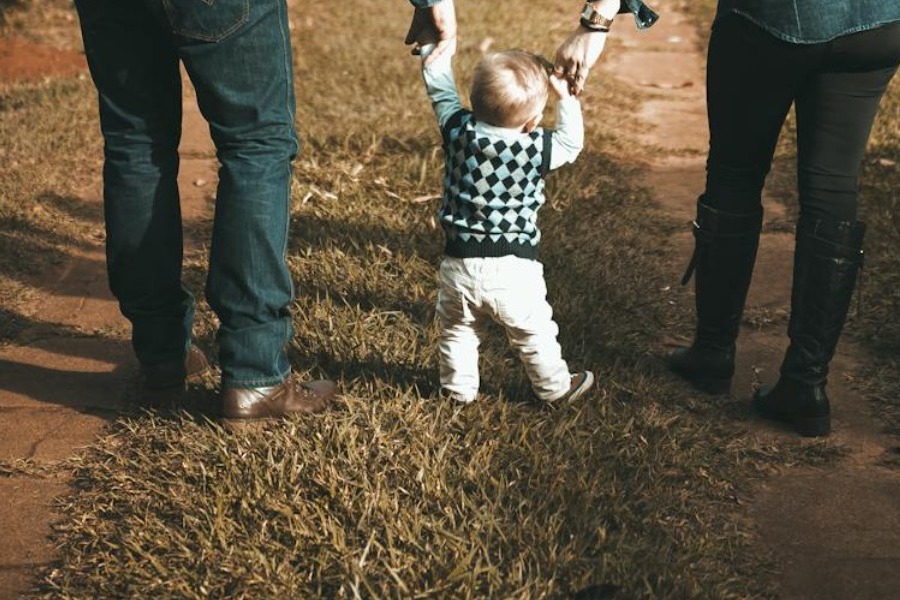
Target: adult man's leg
135,69
238,56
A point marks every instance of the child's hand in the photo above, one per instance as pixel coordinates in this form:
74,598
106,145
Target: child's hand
560,86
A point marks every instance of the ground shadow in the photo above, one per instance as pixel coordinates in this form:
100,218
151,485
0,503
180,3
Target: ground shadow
42,255
359,240
87,374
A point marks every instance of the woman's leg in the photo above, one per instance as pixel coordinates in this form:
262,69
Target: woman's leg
835,112
752,79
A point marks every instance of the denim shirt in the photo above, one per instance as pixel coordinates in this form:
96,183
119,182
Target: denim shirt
643,15
813,21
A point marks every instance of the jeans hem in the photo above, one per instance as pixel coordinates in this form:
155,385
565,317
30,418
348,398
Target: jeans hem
254,383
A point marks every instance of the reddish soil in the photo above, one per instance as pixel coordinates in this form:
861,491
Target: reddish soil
21,60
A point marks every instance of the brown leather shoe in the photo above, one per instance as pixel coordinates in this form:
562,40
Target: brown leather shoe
290,396
174,374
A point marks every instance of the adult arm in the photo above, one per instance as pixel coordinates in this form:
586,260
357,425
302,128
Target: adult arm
577,55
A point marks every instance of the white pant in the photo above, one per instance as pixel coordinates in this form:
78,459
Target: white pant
511,291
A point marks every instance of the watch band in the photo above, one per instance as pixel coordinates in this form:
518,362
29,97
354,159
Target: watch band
593,20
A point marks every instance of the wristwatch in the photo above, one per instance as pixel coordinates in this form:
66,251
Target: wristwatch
593,20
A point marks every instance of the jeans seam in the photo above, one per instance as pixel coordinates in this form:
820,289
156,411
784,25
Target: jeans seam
288,78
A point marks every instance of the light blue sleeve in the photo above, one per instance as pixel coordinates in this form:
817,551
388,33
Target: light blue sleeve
567,139
440,85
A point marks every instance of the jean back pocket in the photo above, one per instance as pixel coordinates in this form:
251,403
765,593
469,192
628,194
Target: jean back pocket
207,20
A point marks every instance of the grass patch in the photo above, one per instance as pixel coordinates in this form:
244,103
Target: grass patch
44,168
399,496
636,490
47,22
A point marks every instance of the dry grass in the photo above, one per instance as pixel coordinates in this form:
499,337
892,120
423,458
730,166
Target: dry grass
46,129
636,490
48,22
49,135
399,496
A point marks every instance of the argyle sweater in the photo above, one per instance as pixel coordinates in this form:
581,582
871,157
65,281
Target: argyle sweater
493,189
493,176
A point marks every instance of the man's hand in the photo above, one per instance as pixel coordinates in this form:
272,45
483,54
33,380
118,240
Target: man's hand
435,25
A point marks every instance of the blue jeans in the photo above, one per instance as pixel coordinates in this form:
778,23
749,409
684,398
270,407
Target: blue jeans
237,54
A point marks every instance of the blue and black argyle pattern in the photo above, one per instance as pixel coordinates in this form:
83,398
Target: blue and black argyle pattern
493,190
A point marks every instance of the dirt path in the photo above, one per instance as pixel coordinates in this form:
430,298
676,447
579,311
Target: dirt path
835,532
73,368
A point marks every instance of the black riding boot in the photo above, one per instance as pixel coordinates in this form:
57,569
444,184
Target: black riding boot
827,259
724,254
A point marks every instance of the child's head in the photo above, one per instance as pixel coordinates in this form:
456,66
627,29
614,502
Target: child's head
509,89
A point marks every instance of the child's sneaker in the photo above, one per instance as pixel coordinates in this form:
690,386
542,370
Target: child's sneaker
580,383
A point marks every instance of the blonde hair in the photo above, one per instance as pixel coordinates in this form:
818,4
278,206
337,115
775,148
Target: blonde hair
508,88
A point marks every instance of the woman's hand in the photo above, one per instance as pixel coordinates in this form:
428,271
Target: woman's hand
580,51
577,55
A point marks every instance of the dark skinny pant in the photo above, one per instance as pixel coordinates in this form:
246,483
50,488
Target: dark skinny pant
753,79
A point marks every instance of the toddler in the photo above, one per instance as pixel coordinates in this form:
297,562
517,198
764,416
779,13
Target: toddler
496,158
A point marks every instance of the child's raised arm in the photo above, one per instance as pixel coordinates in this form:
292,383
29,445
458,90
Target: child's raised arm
568,137
440,84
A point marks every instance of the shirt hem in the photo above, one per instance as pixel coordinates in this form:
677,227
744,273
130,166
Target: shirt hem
485,249
787,37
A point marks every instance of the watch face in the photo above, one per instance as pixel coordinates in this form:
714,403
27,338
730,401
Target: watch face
594,17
